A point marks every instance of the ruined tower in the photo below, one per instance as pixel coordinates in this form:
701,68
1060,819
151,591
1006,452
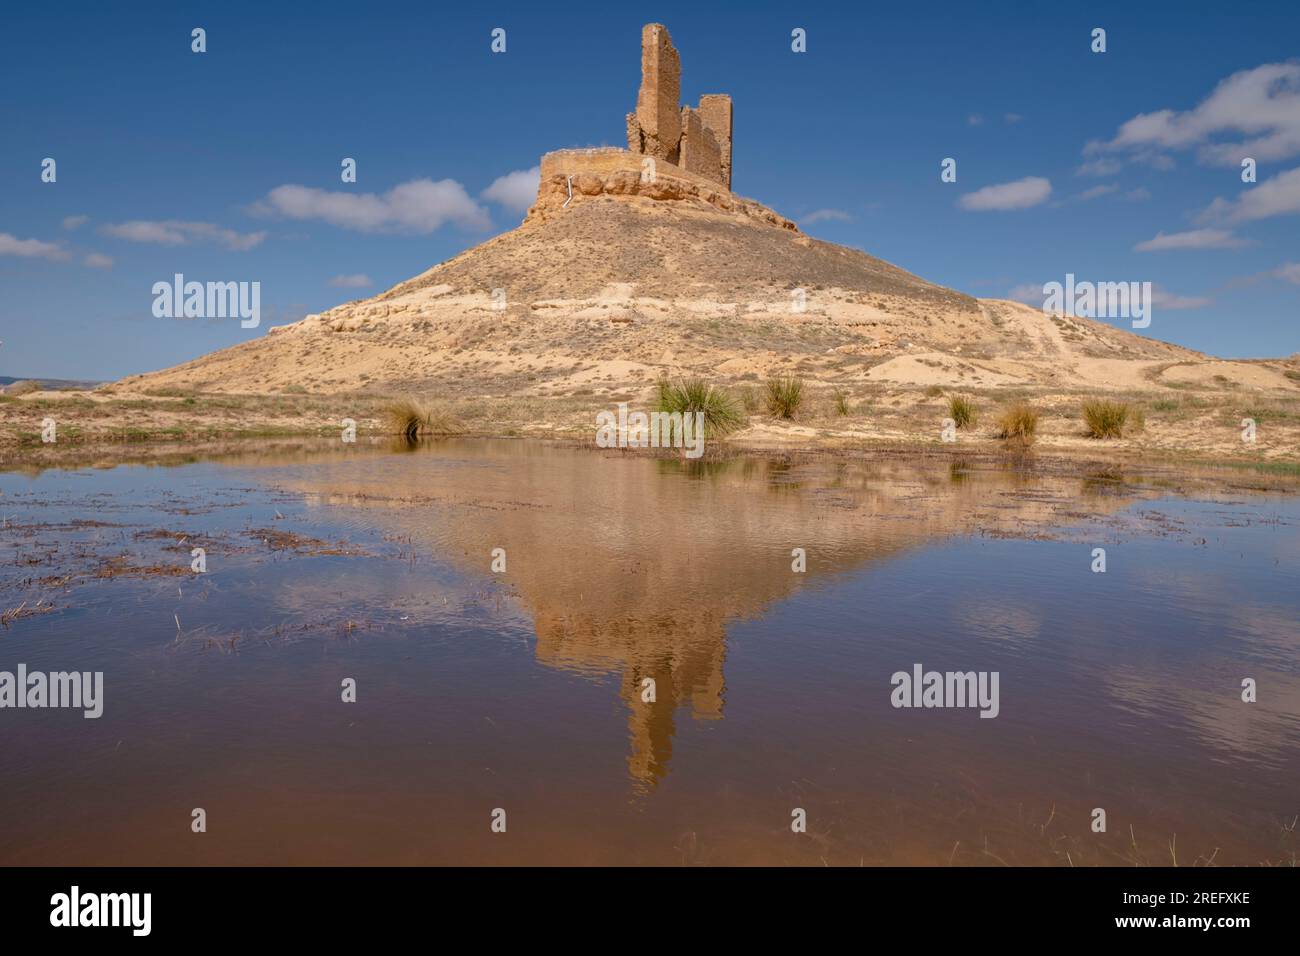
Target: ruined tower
674,153
715,110
655,128
697,139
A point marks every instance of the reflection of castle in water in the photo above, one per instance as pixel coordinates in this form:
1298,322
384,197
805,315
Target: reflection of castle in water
635,566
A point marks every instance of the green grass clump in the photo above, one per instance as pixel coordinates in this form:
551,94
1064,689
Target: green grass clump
841,400
961,410
784,395
722,413
1018,422
1106,419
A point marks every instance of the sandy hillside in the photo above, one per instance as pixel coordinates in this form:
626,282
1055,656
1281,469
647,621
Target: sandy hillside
595,298
615,291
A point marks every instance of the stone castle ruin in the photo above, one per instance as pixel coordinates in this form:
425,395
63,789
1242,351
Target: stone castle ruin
674,152
696,139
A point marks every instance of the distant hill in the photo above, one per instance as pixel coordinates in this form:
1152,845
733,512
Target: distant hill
49,384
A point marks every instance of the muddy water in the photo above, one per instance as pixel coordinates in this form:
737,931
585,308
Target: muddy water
527,690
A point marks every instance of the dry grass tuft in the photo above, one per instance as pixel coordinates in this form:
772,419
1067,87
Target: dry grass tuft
411,417
1106,418
961,410
784,395
1018,423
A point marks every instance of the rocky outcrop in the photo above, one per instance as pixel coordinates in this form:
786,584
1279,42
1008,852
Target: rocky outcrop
553,194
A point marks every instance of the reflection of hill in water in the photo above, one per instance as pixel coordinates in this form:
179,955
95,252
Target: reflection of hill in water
635,566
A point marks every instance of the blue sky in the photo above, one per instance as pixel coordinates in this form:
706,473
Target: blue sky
170,161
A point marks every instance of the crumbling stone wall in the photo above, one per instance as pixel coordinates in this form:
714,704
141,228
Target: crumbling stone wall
699,149
656,122
715,110
696,139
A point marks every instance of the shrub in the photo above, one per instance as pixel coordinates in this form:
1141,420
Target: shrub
784,395
1018,422
411,418
1104,418
961,410
722,414
842,407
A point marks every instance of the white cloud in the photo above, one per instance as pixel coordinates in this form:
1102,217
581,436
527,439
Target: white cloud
1289,271
1012,118
74,222
30,248
1099,167
1279,196
1096,192
176,232
1141,194
825,215
419,206
1257,112
1193,239
515,191
1173,303
97,260
357,281
975,119
1021,194
1028,293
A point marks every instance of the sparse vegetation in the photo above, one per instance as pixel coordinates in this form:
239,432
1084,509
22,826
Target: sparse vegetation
841,403
933,391
749,399
411,418
784,395
1105,418
722,413
25,387
961,410
1018,422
